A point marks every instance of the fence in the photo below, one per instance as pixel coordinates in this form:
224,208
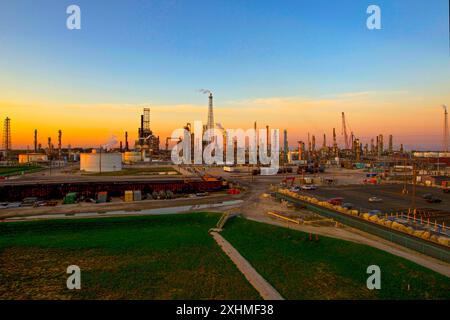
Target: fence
422,246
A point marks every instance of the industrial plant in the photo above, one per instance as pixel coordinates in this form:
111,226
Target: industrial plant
334,181
221,153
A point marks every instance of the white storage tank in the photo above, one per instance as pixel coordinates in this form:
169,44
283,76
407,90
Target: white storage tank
100,161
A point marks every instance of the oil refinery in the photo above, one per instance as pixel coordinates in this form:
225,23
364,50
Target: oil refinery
313,165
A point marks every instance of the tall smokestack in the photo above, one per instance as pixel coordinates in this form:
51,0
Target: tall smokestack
286,147
210,123
256,137
299,150
335,146
35,141
352,137
120,146
381,144
59,143
49,145
391,143
126,141
309,143
210,112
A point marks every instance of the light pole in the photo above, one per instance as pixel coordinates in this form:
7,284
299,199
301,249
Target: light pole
100,160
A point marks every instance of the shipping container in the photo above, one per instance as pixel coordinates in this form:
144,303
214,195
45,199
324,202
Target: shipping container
70,198
102,197
128,196
137,195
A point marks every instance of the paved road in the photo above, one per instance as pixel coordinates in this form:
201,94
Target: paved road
358,236
393,199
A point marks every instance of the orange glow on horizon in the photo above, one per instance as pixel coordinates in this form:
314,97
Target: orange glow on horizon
412,120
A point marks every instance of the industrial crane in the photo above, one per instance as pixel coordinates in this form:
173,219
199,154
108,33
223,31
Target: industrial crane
344,132
446,134
167,143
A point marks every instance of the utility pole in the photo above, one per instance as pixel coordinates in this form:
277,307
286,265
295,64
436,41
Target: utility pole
405,190
100,160
414,187
446,134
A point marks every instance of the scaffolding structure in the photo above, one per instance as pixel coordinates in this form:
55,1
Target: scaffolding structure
6,143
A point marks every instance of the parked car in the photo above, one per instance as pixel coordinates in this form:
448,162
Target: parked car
374,212
309,187
375,199
348,205
10,205
427,196
434,200
40,203
336,201
295,188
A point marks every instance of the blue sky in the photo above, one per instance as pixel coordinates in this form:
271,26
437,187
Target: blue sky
132,51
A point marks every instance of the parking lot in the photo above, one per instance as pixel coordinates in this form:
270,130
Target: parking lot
392,198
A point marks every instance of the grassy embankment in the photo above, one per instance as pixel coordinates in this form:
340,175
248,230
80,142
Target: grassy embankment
153,257
173,257
330,268
17,170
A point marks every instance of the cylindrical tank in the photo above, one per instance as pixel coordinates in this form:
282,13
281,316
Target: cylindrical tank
100,162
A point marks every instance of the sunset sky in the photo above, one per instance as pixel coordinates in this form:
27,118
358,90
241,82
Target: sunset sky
293,65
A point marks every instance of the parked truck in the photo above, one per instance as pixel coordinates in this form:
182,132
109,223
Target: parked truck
446,186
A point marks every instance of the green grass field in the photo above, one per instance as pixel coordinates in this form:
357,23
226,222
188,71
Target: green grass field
9,171
174,257
154,257
329,268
